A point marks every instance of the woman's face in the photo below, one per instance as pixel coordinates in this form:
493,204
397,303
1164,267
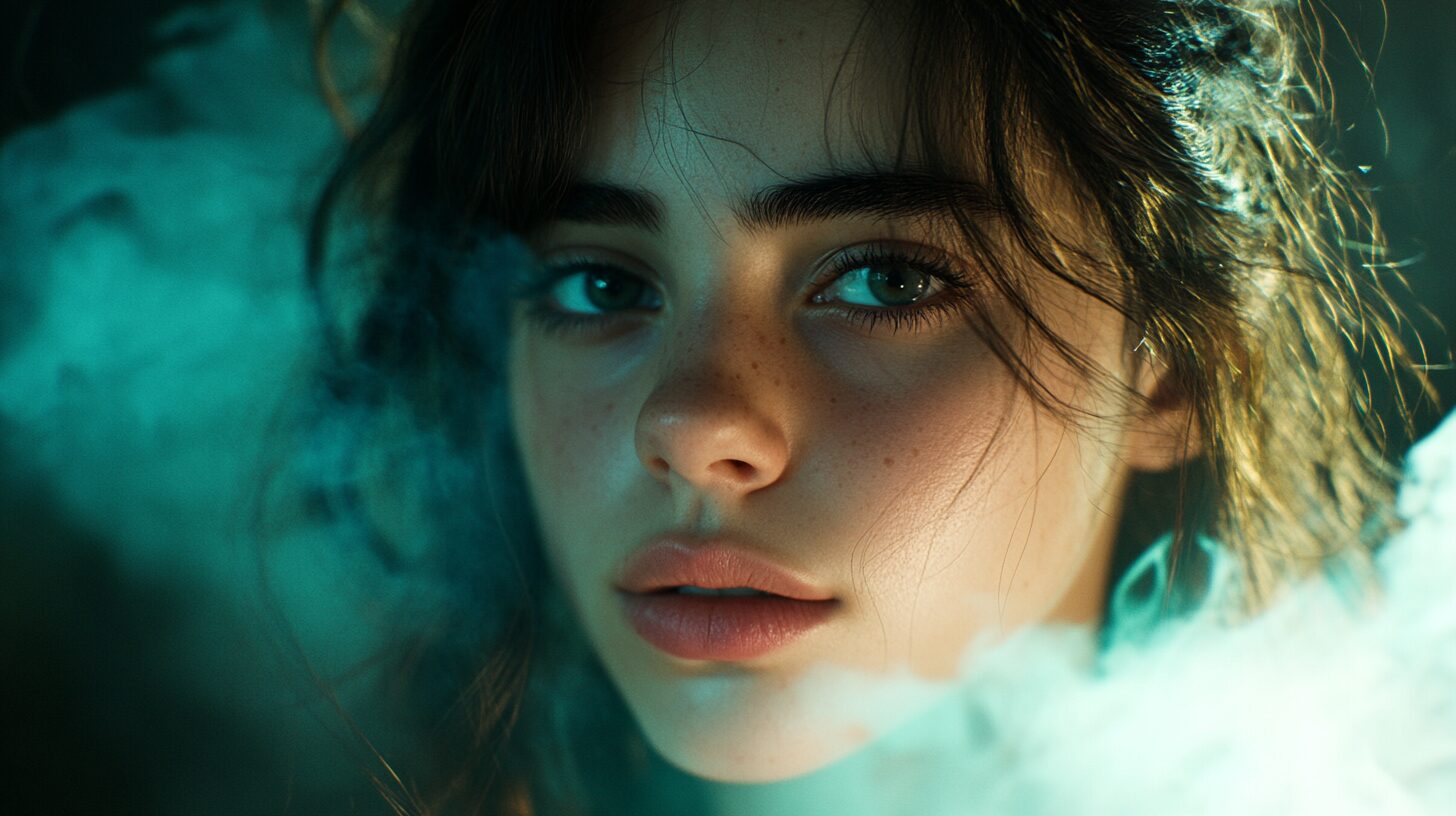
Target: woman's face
749,364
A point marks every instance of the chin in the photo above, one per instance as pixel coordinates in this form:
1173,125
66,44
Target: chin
757,729
773,757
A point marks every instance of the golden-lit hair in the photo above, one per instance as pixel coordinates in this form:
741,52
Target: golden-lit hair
1247,262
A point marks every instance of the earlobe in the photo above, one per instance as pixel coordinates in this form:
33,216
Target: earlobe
1165,431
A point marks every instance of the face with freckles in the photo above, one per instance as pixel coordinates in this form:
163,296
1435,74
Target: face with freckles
746,328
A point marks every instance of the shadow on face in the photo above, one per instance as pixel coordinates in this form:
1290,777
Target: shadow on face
757,322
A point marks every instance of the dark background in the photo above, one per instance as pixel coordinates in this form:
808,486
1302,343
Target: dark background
66,619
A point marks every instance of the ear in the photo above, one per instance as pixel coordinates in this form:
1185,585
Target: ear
1165,431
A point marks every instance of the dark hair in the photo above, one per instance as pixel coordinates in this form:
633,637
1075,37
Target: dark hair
1244,259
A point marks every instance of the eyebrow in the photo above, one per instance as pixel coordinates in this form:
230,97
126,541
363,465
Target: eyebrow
816,198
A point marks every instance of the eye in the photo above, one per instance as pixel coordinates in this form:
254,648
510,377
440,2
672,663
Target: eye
888,281
581,293
866,285
600,288
907,287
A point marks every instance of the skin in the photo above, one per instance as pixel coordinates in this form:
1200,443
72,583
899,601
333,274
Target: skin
905,471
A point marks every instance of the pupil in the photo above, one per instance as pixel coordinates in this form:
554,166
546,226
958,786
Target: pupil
610,292
898,286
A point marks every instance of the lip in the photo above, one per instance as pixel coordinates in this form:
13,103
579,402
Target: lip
726,628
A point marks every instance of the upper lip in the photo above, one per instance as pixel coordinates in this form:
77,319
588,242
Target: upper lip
716,562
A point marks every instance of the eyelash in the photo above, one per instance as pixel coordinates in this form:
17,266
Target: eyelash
957,292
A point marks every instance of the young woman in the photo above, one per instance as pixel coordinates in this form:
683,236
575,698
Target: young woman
770,339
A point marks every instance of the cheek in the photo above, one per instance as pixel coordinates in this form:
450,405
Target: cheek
959,508
561,412
560,423
900,460
554,436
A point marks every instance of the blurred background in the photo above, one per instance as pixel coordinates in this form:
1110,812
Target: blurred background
156,157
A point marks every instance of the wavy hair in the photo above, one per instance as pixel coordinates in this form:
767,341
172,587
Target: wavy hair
1244,259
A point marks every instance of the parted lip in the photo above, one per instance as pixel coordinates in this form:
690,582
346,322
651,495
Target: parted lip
717,562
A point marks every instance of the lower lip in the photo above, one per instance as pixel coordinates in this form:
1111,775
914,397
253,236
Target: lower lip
709,627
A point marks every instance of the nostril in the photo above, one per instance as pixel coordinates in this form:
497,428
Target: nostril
735,469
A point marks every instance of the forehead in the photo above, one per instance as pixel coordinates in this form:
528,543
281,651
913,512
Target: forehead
711,99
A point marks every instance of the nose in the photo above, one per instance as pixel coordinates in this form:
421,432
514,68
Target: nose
704,426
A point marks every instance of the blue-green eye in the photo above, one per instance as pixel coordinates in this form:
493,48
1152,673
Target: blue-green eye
885,285
866,285
600,288
911,288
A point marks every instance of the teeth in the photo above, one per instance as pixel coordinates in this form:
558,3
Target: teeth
732,592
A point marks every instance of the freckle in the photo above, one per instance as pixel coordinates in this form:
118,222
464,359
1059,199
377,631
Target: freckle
783,340
889,462
776,380
833,400
609,406
914,451
754,366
